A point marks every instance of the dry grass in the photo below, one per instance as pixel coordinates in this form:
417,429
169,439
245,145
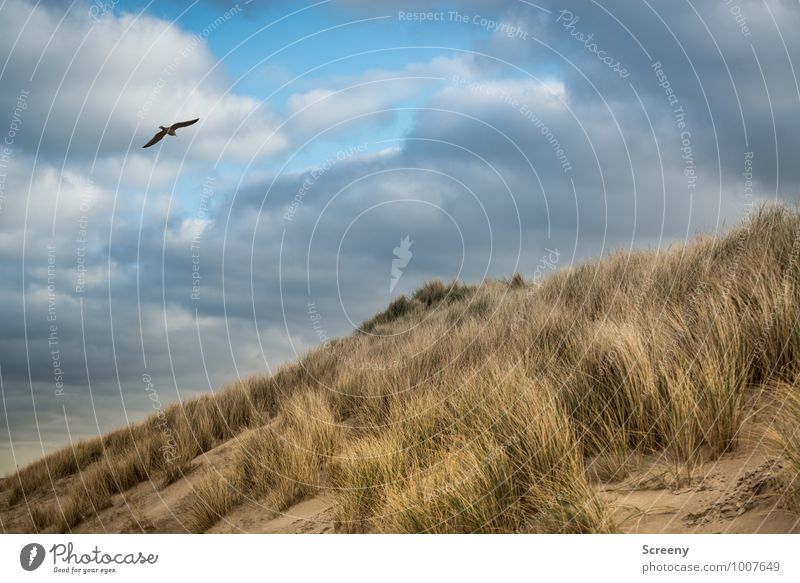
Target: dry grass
161,448
281,462
214,496
489,408
286,459
57,465
496,455
785,434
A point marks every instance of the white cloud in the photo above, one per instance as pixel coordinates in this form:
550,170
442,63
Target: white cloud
102,88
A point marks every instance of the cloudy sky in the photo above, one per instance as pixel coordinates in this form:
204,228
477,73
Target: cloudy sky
486,132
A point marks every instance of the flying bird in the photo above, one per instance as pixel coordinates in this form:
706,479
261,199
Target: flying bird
170,131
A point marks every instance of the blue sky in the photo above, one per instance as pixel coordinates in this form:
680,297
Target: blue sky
271,53
325,138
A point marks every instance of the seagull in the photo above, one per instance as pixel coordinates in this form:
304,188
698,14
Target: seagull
170,131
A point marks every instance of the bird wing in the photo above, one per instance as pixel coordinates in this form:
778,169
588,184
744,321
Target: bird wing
183,124
155,139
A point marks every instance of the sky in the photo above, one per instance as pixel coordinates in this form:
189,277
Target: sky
489,134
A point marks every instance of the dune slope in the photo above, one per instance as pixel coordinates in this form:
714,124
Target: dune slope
646,392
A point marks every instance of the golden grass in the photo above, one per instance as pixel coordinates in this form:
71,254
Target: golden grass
286,459
161,448
495,455
489,408
57,465
785,434
214,496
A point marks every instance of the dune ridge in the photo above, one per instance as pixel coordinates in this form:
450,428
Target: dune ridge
644,392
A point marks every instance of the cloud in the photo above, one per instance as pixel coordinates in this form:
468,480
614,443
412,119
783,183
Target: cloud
100,89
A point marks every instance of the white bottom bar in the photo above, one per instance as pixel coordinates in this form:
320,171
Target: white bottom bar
354,558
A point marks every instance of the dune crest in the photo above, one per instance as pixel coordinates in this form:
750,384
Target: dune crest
645,392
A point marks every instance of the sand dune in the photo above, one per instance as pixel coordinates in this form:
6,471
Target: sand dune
647,392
